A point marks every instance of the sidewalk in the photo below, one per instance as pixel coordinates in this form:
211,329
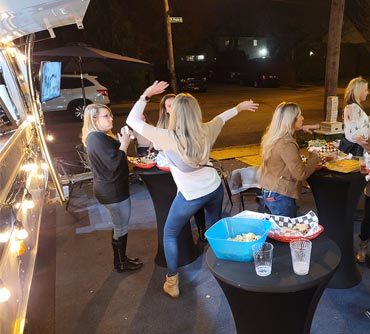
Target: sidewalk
75,289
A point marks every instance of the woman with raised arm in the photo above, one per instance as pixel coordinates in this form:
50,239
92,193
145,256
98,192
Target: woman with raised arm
187,144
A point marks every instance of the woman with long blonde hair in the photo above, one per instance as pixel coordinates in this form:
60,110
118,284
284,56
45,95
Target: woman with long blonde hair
282,170
357,133
107,155
165,110
186,143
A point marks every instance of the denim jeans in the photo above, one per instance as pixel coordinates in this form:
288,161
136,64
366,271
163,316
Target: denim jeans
279,204
180,213
120,214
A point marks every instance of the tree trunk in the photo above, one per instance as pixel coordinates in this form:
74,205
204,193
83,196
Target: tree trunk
333,51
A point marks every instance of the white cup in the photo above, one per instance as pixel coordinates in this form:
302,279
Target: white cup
300,251
262,254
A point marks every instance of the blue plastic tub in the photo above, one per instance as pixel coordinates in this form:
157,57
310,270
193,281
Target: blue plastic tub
229,228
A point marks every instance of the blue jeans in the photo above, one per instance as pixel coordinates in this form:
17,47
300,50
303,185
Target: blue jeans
180,213
279,204
120,214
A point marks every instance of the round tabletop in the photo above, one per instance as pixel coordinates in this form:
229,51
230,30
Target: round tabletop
325,257
149,171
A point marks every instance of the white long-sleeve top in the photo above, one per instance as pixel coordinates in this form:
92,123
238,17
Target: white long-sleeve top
191,182
356,122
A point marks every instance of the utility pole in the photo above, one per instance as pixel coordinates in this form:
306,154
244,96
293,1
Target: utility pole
333,51
171,60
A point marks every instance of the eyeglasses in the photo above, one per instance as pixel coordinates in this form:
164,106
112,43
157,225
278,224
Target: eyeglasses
106,116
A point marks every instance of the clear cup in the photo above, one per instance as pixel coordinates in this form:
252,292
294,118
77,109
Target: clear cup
300,251
363,167
262,254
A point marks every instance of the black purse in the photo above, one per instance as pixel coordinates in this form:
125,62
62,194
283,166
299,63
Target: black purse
348,147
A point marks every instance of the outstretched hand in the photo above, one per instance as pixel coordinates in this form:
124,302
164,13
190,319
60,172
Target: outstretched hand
309,128
157,87
247,105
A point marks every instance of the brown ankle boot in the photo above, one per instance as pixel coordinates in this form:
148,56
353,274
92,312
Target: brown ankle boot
362,251
171,286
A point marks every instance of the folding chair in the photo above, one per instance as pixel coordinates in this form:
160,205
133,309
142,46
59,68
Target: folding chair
244,181
72,174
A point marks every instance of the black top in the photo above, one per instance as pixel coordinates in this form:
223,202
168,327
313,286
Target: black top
109,167
325,257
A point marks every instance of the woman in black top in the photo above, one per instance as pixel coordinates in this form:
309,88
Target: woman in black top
108,162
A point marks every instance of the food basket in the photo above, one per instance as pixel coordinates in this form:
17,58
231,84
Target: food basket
286,229
143,162
241,251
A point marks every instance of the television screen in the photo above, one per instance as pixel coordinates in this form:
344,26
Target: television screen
50,75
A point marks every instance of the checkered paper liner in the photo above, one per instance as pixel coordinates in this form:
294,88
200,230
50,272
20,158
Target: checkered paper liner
281,221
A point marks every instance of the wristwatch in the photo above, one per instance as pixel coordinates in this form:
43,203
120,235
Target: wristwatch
145,98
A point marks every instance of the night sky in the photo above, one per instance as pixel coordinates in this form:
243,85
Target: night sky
137,27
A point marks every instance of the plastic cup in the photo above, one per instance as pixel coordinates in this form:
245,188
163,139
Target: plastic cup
262,254
300,251
363,168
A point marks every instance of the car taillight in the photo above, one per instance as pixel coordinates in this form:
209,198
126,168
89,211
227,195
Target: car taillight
102,92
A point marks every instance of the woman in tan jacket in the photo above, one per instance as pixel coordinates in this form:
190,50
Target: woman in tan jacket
282,170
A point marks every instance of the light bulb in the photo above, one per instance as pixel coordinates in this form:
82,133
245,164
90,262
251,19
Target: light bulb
49,137
28,202
20,232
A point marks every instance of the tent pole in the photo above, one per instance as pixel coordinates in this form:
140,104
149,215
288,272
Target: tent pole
82,81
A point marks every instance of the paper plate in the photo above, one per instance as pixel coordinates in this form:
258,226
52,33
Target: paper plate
164,168
284,238
145,166
343,166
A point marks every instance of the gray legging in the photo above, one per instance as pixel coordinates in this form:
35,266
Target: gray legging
120,214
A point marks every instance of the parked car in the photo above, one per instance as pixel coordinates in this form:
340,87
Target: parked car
71,98
235,67
189,78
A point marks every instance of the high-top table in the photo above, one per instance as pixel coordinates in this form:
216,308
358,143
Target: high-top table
336,197
162,190
282,302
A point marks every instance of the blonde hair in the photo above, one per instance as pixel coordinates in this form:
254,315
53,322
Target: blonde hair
353,91
90,114
164,116
186,123
282,125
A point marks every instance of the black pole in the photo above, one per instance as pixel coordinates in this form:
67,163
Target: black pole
82,81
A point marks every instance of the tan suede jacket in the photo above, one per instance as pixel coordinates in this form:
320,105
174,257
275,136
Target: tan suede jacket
285,171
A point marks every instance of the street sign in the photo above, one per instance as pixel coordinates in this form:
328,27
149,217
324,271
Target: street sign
176,19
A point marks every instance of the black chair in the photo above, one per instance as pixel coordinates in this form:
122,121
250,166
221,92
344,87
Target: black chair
72,173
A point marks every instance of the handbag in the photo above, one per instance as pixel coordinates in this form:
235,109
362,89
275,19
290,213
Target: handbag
348,147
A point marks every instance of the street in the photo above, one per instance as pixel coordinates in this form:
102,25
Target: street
246,128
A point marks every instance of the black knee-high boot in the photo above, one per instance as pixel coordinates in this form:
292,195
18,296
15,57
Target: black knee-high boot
115,253
121,262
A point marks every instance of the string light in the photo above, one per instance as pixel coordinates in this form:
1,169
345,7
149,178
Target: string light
29,166
20,232
4,292
49,137
28,203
